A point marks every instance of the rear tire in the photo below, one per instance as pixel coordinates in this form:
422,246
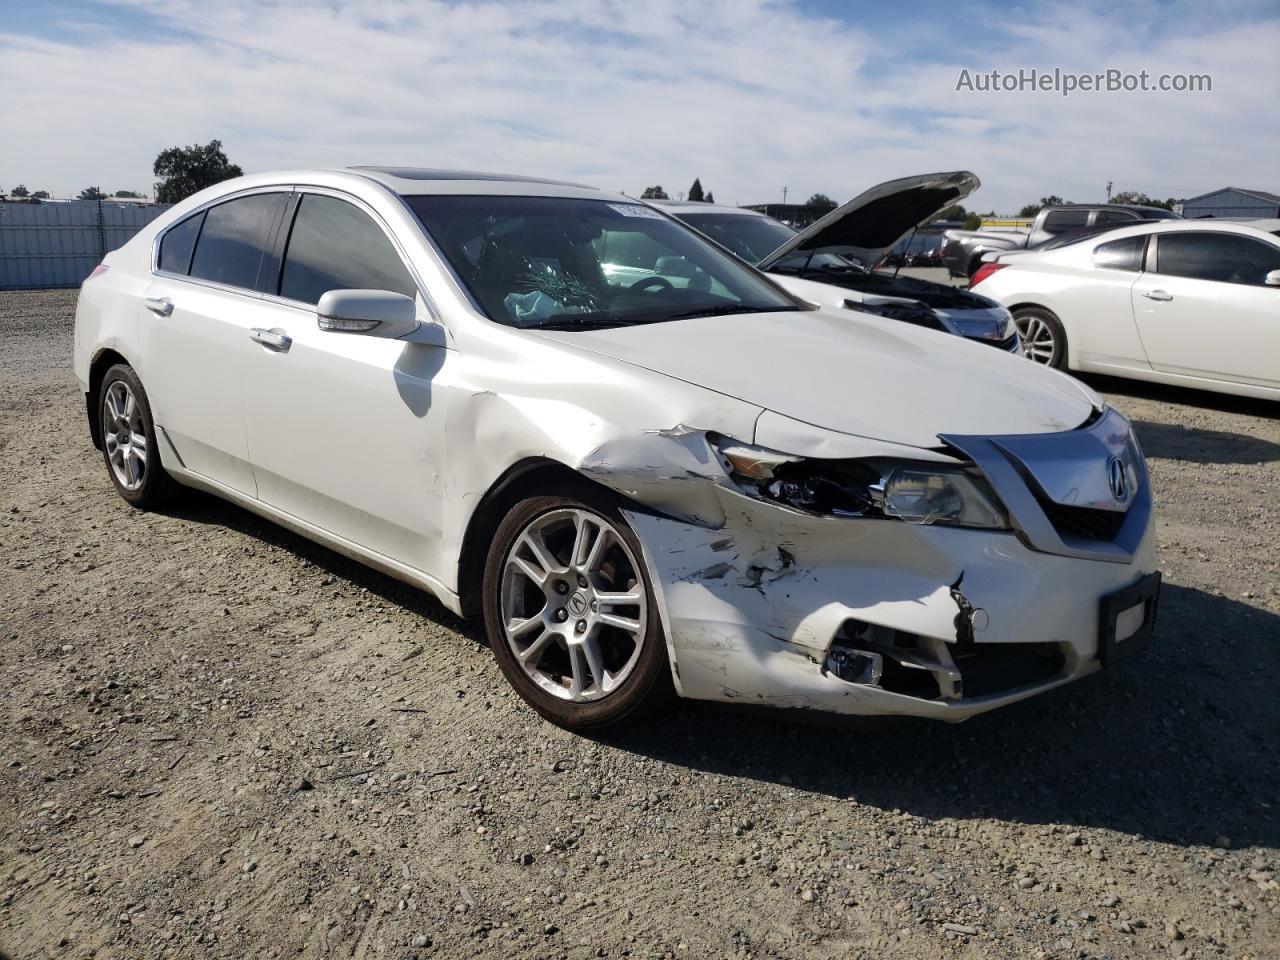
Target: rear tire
582,645
129,443
1043,338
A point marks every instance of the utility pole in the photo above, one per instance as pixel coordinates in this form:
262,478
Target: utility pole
784,196
1108,191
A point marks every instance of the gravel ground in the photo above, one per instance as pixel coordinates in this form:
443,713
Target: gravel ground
220,740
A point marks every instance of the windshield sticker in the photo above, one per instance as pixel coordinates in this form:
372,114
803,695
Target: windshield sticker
635,210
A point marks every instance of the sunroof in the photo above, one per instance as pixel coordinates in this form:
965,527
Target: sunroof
425,173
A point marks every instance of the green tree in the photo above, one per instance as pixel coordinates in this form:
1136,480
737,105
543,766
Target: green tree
40,195
711,197
128,194
821,202
953,212
695,191
188,170
654,193
973,221
20,191
1031,209
91,193
1139,199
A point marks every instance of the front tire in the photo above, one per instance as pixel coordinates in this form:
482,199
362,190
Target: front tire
570,612
1043,338
129,446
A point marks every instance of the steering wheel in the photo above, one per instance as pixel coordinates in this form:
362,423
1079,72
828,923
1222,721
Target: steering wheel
655,282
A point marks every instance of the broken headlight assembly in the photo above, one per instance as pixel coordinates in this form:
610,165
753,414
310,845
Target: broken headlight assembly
921,493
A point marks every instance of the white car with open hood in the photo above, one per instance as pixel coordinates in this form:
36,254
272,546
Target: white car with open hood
487,386
831,262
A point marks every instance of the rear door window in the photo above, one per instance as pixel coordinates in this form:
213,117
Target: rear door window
1223,257
1114,216
178,244
336,246
236,242
1123,254
1060,221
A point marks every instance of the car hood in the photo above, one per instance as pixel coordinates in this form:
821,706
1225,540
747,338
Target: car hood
868,226
852,373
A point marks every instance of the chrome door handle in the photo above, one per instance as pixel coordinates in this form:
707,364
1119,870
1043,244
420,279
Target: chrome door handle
160,306
1158,295
275,341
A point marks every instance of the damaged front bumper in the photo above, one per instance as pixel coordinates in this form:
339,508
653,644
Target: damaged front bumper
879,617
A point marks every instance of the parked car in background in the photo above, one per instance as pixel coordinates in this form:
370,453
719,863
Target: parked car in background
963,250
831,262
1191,302
489,387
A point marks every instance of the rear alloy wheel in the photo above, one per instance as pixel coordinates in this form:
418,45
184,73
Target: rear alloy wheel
1043,339
128,440
569,611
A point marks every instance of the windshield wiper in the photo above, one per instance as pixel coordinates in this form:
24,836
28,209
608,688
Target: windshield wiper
726,310
582,323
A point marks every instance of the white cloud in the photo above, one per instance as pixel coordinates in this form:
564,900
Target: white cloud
749,96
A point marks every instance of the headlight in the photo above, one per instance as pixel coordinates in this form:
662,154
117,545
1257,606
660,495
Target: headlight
913,492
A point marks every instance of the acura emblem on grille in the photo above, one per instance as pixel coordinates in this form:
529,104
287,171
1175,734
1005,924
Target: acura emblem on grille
1116,478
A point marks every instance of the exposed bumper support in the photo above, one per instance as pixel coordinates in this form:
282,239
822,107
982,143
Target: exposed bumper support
755,610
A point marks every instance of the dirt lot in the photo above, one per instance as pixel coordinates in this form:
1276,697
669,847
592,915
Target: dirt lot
222,741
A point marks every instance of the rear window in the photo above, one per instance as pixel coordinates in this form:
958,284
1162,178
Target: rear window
1123,254
178,244
236,240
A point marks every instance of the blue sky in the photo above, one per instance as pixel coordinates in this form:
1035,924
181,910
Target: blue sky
749,96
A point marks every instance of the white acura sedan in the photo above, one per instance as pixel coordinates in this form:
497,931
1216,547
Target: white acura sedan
1188,302
638,485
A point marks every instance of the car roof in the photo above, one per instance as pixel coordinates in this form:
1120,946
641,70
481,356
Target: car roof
1161,212
418,181
678,207
1194,226
1071,250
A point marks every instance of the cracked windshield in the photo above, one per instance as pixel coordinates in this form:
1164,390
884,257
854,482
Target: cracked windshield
557,263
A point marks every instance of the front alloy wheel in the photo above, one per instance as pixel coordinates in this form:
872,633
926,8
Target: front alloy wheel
568,611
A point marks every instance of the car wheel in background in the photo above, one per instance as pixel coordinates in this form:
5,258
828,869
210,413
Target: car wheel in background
1043,339
129,440
569,611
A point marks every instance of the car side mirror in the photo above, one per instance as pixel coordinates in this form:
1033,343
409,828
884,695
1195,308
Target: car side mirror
375,313
1272,279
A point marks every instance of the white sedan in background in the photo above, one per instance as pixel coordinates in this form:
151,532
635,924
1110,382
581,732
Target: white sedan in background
1195,303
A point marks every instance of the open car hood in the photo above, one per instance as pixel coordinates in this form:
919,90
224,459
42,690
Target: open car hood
868,226
851,373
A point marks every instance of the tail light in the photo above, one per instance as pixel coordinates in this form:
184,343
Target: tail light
984,271
98,271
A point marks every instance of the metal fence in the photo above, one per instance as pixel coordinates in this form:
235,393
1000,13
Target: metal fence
58,244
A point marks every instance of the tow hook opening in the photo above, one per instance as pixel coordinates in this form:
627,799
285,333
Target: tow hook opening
893,660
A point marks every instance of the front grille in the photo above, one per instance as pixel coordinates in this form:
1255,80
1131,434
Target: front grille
1084,523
